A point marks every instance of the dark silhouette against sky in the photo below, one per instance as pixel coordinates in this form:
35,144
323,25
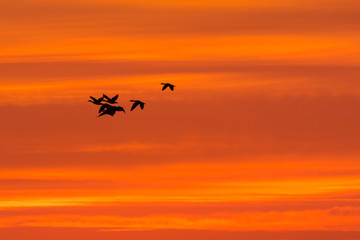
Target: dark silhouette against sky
136,103
108,109
96,101
168,85
111,100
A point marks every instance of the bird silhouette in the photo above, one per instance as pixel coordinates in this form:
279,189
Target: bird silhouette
136,103
96,101
109,110
106,106
111,100
167,85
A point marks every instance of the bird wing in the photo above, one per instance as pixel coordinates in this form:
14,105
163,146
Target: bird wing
121,109
102,108
142,105
103,113
134,106
164,87
107,98
94,99
172,87
111,111
116,97
101,99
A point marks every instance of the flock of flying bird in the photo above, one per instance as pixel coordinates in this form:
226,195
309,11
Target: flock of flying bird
107,108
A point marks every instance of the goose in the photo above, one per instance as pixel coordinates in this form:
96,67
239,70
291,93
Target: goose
104,106
110,110
167,85
137,102
110,100
96,101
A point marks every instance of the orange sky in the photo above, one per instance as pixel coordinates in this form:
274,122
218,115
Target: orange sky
259,140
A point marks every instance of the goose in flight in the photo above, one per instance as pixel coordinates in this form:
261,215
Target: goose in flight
137,102
104,106
111,100
110,110
96,101
167,85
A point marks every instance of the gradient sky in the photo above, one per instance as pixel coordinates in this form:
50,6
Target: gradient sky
259,140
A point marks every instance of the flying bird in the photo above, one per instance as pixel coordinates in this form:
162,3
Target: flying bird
137,102
167,85
96,101
110,110
111,100
104,106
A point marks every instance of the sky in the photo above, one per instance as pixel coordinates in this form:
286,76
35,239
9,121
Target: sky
259,140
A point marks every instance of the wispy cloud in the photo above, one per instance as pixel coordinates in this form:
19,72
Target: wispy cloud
329,219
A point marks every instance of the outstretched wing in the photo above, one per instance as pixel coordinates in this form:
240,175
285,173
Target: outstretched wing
120,109
104,107
107,98
164,87
114,98
94,99
172,87
102,114
101,99
142,105
134,106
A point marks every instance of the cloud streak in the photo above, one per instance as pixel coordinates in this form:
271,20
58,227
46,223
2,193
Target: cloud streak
248,221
